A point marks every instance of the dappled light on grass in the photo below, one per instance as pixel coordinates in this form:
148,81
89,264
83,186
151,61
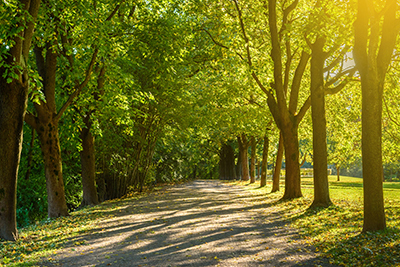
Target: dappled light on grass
336,231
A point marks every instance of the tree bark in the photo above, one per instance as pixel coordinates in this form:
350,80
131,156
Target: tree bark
13,103
264,166
47,130
88,164
13,99
30,154
87,155
321,184
244,160
292,174
278,166
373,48
253,145
227,163
337,172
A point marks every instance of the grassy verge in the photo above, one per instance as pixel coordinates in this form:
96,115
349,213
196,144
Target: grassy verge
336,231
41,241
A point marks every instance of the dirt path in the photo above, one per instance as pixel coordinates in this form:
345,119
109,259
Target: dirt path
201,223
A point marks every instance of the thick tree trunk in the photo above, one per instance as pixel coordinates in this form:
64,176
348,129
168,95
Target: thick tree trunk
88,165
47,130
13,100
278,166
264,166
253,160
292,173
373,48
227,169
374,212
320,155
244,160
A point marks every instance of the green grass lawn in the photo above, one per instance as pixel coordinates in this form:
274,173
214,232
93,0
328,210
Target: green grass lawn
336,231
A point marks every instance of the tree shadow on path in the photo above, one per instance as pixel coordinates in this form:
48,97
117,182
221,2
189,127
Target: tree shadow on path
201,223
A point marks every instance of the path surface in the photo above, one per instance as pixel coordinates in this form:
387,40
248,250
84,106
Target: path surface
201,223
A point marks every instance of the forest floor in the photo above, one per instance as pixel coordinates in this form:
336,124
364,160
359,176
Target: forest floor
199,223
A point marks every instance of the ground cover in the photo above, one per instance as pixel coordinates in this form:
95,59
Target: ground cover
179,225
200,223
336,231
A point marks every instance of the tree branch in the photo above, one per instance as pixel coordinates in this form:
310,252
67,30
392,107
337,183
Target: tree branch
219,44
79,87
349,72
303,110
31,120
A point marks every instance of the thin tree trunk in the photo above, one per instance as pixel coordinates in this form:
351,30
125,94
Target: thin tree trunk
337,172
253,160
88,164
264,166
321,184
244,160
31,147
278,166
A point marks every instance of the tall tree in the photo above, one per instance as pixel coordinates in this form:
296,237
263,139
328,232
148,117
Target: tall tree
322,49
49,58
16,31
376,29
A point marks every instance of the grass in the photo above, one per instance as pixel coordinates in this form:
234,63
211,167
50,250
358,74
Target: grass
336,231
41,240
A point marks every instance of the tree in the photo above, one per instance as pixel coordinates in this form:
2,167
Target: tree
16,31
63,47
321,50
227,162
375,30
87,155
264,164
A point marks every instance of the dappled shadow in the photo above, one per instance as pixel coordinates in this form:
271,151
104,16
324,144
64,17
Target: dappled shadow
202,223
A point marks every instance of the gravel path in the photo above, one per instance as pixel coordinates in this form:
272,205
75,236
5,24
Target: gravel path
201,223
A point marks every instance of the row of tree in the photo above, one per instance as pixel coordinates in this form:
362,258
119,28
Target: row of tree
167,87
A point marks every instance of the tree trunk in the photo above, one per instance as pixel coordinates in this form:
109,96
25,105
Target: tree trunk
227,169
278,166
13,103
337,172
292,173
13,100
47,130
238,167
253,160
88,165
320,155
374,212
244,160
30,154
264,166
373,48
